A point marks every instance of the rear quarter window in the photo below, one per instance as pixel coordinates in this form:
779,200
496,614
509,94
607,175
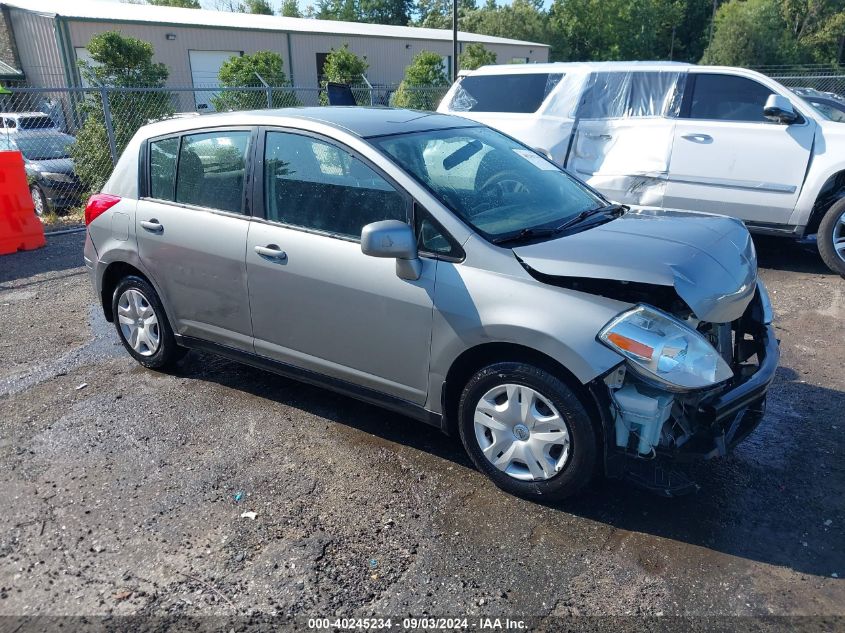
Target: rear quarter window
163,168
517,93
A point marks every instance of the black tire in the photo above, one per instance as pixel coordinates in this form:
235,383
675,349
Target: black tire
577,470
828,232
168,352
39,201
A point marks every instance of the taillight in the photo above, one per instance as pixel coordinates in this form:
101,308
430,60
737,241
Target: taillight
98,204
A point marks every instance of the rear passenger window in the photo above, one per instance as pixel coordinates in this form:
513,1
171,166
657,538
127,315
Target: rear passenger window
728,98
211,170
319,186
163,168
616,95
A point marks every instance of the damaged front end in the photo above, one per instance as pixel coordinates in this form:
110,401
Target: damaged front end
653,423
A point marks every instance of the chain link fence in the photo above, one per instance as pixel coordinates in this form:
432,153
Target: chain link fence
71,137
824,82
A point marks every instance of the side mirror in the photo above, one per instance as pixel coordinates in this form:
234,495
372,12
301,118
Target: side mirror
779,109
392,238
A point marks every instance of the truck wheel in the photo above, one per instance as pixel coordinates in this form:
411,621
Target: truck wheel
527,431
831,237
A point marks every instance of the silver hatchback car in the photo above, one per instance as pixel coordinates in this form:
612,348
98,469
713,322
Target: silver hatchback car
445,271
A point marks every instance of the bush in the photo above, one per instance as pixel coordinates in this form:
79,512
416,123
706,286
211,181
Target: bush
345,67
424,84
121,62
244,70
476,56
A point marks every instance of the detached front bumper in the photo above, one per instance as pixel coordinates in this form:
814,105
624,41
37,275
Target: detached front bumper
697,425
727,418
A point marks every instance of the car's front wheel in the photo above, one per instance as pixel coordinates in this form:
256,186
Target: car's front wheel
39,200
527,430
831,237
142,324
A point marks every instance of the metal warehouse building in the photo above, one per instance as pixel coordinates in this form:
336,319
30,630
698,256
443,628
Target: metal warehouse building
51,35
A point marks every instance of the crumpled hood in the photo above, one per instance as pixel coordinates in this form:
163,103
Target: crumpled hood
708,259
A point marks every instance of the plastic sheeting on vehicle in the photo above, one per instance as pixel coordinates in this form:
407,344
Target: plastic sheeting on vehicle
622,121
624,126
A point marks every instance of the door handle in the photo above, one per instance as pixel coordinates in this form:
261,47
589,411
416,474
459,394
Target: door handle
271,251
153,226
698,138
602,137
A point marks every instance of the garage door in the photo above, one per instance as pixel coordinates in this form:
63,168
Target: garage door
204,68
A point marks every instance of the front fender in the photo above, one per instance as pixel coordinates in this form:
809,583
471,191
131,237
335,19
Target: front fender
826,167
473,306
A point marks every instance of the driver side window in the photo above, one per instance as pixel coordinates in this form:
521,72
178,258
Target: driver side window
317,185
718,97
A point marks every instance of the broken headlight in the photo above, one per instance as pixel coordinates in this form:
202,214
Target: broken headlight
661,348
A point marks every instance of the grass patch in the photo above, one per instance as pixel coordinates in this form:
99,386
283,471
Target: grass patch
71,218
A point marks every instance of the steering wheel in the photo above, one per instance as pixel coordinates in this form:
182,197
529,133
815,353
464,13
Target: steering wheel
503,183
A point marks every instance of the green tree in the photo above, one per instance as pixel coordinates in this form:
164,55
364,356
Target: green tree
249,71
345,10
522,19
397,12
476,56
622,30
750,33
121,62
817,27
261,7
424,84
345,67
437,14
290,9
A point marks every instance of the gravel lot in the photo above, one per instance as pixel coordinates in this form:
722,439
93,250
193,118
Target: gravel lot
119,487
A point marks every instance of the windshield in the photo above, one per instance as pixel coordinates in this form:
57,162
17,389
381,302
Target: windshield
499,187
44,147
35,123
829,109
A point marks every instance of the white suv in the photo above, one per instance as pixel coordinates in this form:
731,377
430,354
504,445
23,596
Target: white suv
699,138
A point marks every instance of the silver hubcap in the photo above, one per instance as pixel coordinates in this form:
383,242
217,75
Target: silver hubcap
138,322
521,433
37,201
839,236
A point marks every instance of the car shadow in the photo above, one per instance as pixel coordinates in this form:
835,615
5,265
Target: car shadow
774,501
779,253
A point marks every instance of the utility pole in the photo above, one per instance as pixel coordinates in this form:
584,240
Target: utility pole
672,46
454,40
713,21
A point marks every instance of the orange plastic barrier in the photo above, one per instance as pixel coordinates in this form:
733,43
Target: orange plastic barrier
20,228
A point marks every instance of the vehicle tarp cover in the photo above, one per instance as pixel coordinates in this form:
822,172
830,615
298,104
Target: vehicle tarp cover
621,121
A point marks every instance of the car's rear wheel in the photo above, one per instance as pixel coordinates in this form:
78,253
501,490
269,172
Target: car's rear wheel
39,201
831,237
527,430
142,324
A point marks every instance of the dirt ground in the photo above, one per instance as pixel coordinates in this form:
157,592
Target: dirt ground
124,489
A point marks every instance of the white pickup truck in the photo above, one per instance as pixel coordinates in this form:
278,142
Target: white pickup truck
700,138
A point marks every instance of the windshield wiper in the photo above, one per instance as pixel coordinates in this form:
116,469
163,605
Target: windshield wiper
526,234
615,209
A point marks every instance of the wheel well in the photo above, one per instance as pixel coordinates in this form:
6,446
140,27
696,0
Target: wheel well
832,190
473,359
111,277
